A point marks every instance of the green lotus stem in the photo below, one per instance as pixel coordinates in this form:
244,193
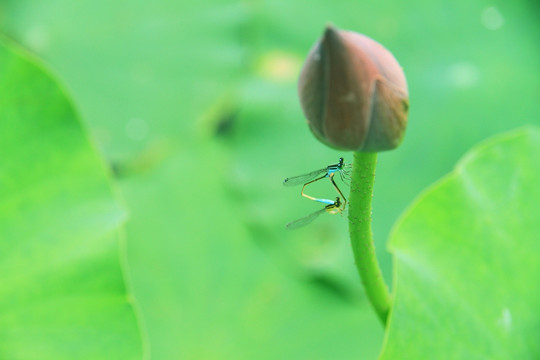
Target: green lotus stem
363,176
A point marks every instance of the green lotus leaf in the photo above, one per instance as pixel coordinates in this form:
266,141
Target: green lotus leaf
62,294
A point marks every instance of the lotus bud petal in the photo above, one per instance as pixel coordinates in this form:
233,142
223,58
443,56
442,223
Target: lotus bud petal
354,93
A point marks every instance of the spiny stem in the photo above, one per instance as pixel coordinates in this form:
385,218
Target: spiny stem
363,176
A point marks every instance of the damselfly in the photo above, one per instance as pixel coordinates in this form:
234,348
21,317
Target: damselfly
329,172
332,207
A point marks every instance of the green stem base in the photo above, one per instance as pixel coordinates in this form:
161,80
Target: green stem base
363,176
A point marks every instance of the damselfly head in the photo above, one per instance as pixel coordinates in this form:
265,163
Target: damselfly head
335,207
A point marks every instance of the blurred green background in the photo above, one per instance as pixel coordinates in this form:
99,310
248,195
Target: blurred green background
193,105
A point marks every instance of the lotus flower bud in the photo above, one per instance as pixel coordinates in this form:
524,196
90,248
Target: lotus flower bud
354,93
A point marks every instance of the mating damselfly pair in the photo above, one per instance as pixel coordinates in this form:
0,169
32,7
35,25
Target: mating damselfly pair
332,206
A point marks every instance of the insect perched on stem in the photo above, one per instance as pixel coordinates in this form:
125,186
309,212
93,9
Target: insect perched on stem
330,171
332,207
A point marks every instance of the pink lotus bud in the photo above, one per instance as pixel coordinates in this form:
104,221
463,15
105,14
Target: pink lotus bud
354,93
